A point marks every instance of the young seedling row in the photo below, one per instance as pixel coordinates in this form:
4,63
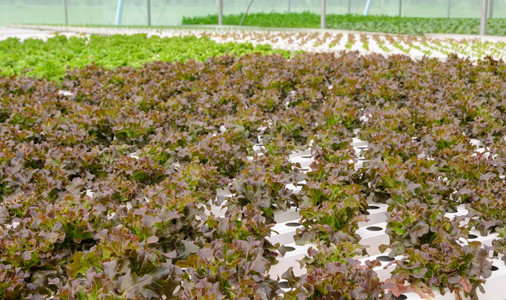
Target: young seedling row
329,41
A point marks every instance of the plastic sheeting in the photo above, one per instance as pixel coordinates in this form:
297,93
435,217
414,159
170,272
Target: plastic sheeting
171,12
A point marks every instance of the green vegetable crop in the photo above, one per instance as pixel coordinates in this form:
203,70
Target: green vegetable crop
51,59
387,24
107,177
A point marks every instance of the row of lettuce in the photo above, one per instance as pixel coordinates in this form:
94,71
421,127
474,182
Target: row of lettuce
51,59
385,24
104,188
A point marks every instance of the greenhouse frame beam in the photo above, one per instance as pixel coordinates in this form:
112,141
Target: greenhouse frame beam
149,12
65,5
323,19
119,12
367,7
483,22
246,12
220,12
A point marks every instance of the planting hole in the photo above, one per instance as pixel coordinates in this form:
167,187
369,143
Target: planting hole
471,236
401,297
384,258
293,224
284,285
494,268
306,156
374,228
289,248
450,210
373,207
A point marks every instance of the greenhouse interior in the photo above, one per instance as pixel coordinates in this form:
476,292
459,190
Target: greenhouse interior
253,149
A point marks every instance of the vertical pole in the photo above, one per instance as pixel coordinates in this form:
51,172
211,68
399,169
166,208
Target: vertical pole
66,12
289,6
149,12
367,7
491,10
400,8
324,14
349,6
119,12
449,8
483,22
220,12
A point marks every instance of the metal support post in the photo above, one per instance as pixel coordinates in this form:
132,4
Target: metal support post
483,22
349,6
246,13
66,12
119,12
220,12
324,14
149,12
400,8
289,6
491,10
449,8
367,7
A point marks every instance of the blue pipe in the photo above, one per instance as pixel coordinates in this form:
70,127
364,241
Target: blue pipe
367,7
119,12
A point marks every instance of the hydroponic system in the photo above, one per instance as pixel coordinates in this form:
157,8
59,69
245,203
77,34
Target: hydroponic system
224,163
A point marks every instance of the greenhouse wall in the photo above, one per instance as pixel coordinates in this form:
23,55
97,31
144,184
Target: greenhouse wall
171,12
